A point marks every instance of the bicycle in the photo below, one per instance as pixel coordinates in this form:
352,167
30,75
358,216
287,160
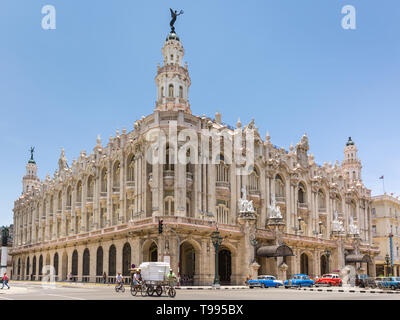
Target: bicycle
140,287
120,286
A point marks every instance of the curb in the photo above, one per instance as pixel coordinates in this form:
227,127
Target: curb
352,291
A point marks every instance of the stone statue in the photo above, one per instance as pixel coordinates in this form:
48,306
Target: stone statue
174,14
337,224
274,210
353,227
245,206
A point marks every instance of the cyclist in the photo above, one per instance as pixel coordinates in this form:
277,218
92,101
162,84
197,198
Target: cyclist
119,279
137,278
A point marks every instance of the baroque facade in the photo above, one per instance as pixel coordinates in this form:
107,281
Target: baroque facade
101,213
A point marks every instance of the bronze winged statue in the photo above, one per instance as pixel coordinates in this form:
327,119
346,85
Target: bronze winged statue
174,14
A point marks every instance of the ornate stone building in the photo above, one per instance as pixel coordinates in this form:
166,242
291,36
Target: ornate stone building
386,233
101,213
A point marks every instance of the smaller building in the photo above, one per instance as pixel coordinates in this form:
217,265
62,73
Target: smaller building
386,233
9,267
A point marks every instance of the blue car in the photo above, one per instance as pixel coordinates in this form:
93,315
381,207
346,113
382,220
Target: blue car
390,283
265,281
298,281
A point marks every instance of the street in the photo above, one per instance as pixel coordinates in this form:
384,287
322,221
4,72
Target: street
35,291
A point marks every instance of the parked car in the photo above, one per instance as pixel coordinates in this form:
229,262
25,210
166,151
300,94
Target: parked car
299,280
390,283
328,280
265,281
364,281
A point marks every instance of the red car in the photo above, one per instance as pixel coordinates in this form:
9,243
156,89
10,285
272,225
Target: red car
329,280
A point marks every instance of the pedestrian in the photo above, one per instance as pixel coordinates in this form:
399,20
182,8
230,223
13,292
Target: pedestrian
5,281
104,277
247,279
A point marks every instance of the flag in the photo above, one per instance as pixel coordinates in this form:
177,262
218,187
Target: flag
381,177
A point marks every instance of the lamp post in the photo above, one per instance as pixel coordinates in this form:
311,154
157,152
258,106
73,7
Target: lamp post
327,254
254,243
216,240
387,260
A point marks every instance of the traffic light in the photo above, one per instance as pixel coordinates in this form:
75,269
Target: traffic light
160,226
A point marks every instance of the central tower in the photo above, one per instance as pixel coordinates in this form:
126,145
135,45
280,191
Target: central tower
172,79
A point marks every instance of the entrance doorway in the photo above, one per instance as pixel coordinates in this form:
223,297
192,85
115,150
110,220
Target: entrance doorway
224,266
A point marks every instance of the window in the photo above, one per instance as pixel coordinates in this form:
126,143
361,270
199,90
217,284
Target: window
169,206
131,168
301,193
180,92
162,92
279,186
254,180
222,213
373,231
373,212
171,91
222,171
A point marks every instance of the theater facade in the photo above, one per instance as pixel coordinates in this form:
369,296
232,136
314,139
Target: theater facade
101,213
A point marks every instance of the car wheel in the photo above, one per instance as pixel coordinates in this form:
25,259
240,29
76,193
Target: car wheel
263,285
251,287
340,284
392,287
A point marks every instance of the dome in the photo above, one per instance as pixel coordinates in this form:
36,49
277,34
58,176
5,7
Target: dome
350,142
172,36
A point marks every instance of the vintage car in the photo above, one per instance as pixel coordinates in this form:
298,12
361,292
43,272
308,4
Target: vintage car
298,281
265,281
390,283
329,280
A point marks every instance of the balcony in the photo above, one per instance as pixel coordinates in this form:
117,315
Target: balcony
322,210
169,179
222,188
303,207
255,194
130,185
280,199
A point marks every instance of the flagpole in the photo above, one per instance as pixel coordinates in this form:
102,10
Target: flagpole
383,182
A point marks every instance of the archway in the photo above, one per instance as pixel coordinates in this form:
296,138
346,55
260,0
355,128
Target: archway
224,266
304,266
19,268
153,253
188,263
74,263
324,265
34,267
47,260
55,264
86,263
112,261
99,261
40,265
126,259
64,266
27,267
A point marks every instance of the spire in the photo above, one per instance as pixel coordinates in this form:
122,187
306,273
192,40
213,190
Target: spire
30,179
351,163
172,79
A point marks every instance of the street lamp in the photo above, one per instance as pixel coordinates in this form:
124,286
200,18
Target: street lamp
327,254
216,240
387,259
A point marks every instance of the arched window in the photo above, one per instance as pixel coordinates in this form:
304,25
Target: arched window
162,92
79,192
222,213
69,196
167,164
116,175
279,187
223,172
254,180
321,200
180,92
171,91
104,180
169,206
301,193
90,184
131,168
59,201
51,204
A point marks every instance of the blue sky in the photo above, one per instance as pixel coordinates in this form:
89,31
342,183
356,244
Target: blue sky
287,63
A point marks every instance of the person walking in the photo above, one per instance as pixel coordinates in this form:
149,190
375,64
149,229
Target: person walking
5,281
104,278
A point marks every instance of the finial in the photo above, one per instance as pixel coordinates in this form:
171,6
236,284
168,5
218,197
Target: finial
117,132
267,137
291,147
218,117
98,139
123,130
238,124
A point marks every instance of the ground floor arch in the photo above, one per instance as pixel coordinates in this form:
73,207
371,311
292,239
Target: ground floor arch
189,263
86,263
64,266
150,251
55,264
305,264
224,265
74,266
99,261
112,261
126,259
40,265
324,264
